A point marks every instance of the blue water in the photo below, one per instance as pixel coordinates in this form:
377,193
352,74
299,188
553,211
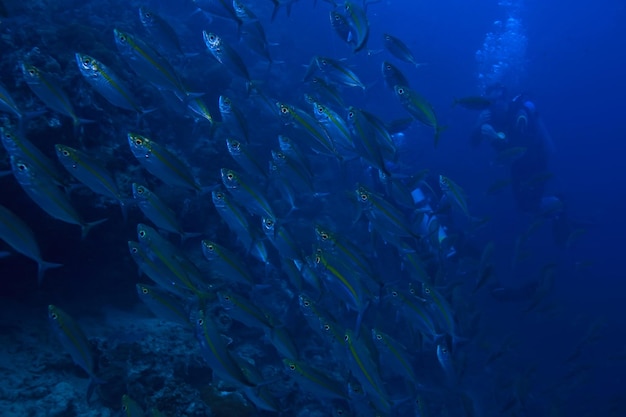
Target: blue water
568,57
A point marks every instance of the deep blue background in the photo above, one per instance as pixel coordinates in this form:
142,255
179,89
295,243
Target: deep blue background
575,74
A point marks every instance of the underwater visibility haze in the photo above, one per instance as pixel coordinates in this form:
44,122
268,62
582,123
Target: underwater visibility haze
312,208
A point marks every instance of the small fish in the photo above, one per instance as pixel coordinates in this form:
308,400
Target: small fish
163,304
215,352
242,309
149,64
226,264
219,8
71,336
161,33
444,356
47,195
315,381
162,163
168,278
91,172
393,76
337,72
130,407
158,212
419,108
454,193
225,55
357,19
299,118
246,157
473,102
399,49
21,238
187,274
244,13
342,28
282,240
18,146
233,118
234,217
7,104
246,193
106,83
49,91
509,155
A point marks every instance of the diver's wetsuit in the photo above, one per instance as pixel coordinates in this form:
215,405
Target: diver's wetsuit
522,128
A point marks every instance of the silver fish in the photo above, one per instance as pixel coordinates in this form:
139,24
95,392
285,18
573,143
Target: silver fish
162,163
47,195
21,238
106,83
71,336
49,91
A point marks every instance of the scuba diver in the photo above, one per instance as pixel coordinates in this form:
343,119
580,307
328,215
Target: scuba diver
514,125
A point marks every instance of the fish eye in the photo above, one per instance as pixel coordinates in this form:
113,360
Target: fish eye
138,142
379,337
427,290
292,366
142,233
326,327
210,247
306,303
144,290
124,408
412,291
388,67
324,236
350,114
21,167
318,259
394,293
284,109
140,190
200,322
337,17
346,338
363,197
230,176
32,72
400,90
134,250
54,316
66,153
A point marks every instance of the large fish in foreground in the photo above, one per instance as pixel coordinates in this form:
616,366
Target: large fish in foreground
21,238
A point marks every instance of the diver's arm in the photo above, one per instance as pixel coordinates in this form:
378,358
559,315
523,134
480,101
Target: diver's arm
479,131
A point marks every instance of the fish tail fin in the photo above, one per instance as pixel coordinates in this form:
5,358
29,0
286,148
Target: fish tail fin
188,235
438,130
275,10
43,266
86,227
93,382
